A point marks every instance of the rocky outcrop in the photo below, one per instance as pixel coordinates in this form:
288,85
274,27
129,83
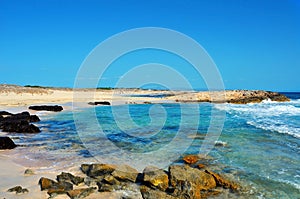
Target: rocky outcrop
6,143
54,108
187,181
230,96
19,123
180,181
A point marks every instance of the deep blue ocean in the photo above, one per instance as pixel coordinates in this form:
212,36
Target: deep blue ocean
258,145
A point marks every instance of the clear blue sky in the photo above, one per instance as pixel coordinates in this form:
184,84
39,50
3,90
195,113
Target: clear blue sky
255,43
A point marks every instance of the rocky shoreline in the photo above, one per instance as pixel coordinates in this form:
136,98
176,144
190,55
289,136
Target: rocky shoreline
184,181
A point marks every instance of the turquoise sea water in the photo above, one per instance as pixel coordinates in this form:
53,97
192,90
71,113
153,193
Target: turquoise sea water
259,144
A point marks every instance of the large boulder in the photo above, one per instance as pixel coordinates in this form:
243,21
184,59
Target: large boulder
156,178
55,188
68,177
19,123
19,127
6,143
125,173
189,181
54,108
97,170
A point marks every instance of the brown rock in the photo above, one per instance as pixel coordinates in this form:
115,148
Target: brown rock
109,179
53,187
125,173
221,181
96,170
46,183
80,193
156,178
68,177
149,193
189,181
201,166
191,159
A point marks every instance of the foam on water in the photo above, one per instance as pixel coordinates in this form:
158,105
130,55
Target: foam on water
282,117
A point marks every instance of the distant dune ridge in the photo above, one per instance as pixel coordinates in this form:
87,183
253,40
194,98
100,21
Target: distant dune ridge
14,95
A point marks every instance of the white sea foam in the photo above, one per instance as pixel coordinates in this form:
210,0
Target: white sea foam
282,117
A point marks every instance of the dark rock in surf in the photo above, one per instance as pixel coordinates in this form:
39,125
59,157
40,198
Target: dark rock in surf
6,143
54,108
99,103
5,113
19,123
19,127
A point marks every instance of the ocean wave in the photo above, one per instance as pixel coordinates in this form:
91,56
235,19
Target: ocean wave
282,117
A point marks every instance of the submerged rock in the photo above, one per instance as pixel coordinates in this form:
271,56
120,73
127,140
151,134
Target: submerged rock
191,159
54,108
223,182
6,143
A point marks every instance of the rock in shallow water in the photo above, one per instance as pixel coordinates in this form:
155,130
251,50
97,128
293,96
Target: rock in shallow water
6,143
19,123
54,108
191,159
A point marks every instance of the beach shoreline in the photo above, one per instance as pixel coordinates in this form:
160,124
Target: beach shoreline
18,96
17,100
